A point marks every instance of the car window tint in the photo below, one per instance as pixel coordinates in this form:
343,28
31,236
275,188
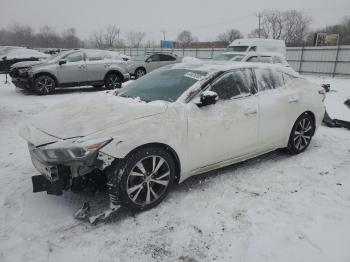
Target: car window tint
75,57
268,79
266,59
277,60
155,58
253,59
233,84
166,57
94,55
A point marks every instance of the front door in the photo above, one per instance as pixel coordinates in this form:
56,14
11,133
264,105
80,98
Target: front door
228,129
152,63
74,70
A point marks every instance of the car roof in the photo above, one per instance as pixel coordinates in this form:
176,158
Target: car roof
217,66
255,53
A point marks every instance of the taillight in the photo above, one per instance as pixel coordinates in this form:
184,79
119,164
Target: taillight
323,93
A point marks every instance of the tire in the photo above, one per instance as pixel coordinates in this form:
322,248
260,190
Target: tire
44,85
301,134
144,178
113,81
139,72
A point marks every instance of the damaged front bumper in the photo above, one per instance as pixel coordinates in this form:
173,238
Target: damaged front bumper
63,175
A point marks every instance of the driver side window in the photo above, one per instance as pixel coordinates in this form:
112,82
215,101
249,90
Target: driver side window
233,84
75,57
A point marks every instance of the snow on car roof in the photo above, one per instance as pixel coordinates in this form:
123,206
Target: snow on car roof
212,66
24,53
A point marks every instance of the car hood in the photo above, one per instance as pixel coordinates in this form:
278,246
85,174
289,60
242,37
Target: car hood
26,64
91,114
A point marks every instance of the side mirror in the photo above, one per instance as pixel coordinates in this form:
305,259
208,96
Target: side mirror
208,98
62,62
149,60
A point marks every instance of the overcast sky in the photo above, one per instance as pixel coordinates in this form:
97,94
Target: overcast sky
206,19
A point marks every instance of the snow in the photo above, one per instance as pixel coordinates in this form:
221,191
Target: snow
20,53
273,208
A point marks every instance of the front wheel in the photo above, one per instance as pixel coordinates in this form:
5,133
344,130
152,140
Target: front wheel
301,134
139,72
113,81
145,178
44,85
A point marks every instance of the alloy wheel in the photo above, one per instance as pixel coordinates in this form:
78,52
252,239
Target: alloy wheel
302,134
45,85
113,82
148,180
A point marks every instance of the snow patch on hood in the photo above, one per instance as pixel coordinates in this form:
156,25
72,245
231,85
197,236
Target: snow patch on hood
89,115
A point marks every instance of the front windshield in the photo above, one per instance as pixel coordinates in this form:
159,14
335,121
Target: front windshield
165,84
227,57
140,57
237,48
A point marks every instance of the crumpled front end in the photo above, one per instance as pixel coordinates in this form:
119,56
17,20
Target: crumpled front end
65,163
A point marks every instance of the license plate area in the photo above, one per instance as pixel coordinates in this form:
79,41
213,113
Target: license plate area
50,172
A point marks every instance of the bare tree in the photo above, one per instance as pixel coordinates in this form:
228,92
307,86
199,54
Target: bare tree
22,35
230,35
70,40
135,38
111,36
185,38
98,38
272,24
48,37
255,34
295,26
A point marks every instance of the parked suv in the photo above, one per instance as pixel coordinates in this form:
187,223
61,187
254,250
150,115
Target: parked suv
71,68
140,65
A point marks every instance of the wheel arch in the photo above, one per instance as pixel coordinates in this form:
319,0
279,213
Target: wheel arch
166,148
114,71
312,115
46,74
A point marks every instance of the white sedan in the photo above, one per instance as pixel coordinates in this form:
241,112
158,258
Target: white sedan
174,123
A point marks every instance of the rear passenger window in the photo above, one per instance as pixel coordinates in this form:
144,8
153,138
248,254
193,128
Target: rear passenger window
94,55
232,84
268,79
266,59
166,58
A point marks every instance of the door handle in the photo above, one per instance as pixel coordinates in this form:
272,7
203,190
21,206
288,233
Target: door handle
293,99
251,111
107,65
82,66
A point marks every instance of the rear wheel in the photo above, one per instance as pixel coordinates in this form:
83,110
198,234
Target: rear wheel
139,72
113,81
301,134
144,178
44,85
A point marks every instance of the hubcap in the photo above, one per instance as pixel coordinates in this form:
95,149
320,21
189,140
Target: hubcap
140,73
303,134
45,85
148,180
114,82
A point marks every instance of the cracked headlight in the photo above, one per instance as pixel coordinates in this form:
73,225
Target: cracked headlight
71,149
25,71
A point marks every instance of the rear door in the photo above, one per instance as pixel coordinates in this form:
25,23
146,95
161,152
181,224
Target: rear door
273,108
74,71
166,59
152,63
96,65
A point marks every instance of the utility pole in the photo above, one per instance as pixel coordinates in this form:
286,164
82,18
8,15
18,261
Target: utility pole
163,31
259,16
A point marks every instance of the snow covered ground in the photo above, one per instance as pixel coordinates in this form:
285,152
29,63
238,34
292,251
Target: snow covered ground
273,208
